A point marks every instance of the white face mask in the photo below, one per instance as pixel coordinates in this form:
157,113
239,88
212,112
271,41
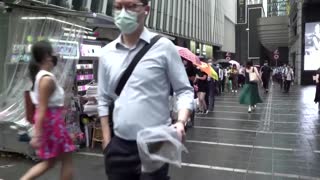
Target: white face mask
126,21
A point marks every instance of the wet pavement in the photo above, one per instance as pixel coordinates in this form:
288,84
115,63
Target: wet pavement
280,140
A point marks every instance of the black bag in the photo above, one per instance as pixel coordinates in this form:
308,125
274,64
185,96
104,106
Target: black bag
126,75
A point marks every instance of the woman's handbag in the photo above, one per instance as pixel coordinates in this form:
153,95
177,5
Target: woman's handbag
29,107
253,76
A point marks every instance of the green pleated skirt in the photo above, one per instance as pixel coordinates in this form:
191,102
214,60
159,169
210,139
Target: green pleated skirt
250,94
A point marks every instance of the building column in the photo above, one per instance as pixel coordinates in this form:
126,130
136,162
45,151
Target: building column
298,48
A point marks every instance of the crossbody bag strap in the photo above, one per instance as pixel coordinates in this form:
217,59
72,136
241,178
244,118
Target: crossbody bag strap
126,75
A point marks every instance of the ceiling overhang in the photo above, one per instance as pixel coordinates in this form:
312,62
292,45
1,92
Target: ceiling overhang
273,32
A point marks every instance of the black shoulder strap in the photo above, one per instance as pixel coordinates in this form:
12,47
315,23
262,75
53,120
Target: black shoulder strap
126,75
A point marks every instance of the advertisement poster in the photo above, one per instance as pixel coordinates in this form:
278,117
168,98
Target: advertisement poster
312,47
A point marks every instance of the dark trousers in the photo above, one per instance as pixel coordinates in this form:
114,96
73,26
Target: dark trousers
212,93
287,85
221,86
122,162
265,83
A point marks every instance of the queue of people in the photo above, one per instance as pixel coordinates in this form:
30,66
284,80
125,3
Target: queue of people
284,76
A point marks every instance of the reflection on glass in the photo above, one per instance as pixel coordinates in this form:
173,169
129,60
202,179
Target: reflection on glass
62,3
277,8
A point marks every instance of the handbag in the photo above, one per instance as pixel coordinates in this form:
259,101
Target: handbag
126,75
29,107
253,77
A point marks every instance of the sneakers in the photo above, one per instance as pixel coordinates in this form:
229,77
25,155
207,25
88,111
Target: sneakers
249,110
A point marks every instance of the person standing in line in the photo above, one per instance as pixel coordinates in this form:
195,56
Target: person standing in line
288,78
221,80
191,73
211,88
143,102
266,72
317,96
202,83
250,92
51,138
234,72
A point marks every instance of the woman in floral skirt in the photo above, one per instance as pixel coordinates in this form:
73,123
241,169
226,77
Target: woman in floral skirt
51,139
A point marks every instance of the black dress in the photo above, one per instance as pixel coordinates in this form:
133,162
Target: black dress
317,98
202,84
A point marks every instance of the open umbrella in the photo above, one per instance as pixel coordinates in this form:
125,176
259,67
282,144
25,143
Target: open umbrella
188,55
223,62
208,70
236,63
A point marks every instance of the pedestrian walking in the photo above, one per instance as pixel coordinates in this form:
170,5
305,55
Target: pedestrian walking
135,74
221,80
288,78
234,72
51,139
266,72
317,96
242,74
250,93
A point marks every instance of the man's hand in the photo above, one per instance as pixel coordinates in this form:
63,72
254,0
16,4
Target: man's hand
106,131
105,143
179,126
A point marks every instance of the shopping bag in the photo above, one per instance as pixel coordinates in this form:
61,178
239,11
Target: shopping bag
29,107
158,146
253,76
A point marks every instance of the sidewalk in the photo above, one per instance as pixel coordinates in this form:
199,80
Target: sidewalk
280,140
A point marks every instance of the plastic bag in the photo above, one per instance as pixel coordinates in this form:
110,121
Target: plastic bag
158,146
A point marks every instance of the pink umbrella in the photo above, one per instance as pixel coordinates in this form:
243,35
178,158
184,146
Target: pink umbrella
188,55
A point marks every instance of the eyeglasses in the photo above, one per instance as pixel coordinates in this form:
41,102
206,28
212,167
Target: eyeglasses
129,6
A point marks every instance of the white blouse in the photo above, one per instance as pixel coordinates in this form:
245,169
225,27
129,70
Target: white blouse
57,97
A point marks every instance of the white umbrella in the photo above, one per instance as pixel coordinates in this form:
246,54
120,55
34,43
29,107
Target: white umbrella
236,63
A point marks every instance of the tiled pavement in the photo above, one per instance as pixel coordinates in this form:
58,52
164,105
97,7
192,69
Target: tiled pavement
280,140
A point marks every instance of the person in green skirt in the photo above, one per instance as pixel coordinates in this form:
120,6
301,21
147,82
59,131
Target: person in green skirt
250,93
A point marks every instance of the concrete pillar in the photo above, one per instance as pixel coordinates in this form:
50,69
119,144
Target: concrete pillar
299,43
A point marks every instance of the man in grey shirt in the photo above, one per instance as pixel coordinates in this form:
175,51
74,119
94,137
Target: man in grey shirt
144,99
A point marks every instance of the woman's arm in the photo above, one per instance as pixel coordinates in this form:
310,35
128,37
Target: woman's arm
316,43
257,72
317,78
46,88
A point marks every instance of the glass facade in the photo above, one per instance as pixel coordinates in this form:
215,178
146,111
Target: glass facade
202,20
277,7
193,19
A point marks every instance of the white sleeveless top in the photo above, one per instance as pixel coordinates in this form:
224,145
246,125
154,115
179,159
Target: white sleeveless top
57,97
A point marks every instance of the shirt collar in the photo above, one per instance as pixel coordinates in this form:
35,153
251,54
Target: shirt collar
145,36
